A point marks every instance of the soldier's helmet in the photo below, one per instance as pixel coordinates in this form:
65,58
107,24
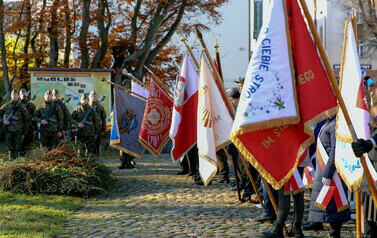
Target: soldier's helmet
84,96
48,92
92,92
14,91
55,91
23,90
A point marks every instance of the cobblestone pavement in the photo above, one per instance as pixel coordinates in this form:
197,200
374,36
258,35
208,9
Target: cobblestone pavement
152,201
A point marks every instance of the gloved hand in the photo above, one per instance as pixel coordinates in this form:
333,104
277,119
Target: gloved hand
361,146
326,181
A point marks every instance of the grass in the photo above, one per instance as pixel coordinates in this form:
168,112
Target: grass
35,216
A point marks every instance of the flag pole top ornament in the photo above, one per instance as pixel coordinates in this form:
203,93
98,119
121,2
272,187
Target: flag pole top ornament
216,45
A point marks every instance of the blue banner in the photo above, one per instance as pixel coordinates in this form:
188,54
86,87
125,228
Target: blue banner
126,122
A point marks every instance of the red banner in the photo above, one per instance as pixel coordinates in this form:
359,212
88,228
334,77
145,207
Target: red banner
154,132
275,152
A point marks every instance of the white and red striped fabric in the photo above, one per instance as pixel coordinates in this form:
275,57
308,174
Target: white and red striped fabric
296,184
335,190
308,178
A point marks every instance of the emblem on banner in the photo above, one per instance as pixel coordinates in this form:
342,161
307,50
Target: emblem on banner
127,122
156,115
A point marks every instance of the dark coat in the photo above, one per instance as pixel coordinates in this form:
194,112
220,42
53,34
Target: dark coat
315,213
364,187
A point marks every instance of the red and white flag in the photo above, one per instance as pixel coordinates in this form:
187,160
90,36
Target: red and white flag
352,90
214,123
269,99
335,190
183,127
154,132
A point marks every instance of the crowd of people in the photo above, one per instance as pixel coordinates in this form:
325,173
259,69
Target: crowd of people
317,216
51,122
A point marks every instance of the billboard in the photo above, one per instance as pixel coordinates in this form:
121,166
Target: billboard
71,83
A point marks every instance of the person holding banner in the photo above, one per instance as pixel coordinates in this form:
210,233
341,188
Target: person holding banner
370,211
331,213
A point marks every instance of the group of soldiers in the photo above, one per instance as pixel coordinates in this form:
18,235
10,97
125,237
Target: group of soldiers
52,122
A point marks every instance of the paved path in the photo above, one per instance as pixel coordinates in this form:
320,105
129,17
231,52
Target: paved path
152,201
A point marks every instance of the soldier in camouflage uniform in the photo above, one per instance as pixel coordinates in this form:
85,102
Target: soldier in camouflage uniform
86,131
66,113
32,128
15,121
50,117
100,110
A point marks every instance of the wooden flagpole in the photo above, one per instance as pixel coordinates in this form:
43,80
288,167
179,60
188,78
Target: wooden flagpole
236,175
126,89
183,39
357,192
220,83
162,82
136,80
330,73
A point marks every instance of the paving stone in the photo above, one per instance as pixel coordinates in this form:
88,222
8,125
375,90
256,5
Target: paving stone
152,201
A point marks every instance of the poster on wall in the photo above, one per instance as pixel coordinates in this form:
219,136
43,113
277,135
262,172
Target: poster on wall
71,83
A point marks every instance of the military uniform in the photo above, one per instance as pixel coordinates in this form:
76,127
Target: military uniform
18,116
66,114
87,134
100,110
49,133
32,126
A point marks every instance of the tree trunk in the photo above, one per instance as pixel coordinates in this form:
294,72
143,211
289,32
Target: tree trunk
103,33
149,39
68,34
84,33
3,51
32,42
24,67
53,34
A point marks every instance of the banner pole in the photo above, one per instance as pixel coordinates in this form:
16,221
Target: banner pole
235,173
357,192
183,39
274,204
126,89
252,181
220,83
330,73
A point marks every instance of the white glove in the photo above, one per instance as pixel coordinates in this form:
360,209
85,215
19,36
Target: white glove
326,181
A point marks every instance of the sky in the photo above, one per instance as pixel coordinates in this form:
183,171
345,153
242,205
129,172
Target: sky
233,40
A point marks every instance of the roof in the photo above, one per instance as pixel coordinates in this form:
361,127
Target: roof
71,69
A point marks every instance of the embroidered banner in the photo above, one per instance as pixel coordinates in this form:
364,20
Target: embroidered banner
126,120
154,132
214,123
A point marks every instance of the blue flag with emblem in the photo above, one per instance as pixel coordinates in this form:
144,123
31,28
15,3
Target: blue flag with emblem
126,120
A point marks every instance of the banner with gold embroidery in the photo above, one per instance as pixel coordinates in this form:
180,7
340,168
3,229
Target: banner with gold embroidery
154,132
126,121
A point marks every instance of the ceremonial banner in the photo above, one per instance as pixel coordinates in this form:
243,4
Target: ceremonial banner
268,98
183,126
126,121
154,132
335,190
283,144
352,90
214,123
139,89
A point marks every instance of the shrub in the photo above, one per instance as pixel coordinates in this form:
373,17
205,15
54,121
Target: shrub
60,171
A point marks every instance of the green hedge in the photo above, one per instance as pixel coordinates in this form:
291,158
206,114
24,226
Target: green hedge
60,171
